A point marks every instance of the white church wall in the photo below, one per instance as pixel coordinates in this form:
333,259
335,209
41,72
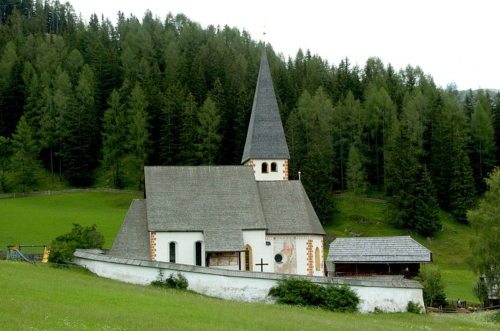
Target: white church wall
281,170
256,239
185,246
297,262
245,286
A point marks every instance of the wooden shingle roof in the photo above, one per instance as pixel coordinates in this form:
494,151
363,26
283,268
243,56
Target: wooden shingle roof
378,250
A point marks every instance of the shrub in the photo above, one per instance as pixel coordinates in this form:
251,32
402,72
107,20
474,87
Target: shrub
430,278
414,307
63,247
173,281
481,291
340,298
294,291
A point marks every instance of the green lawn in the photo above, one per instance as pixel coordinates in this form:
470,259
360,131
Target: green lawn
450,247
39,219
44,298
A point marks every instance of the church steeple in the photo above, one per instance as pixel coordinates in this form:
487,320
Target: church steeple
265,136
266,142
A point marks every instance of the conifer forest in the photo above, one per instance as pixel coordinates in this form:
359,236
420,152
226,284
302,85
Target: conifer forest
91,103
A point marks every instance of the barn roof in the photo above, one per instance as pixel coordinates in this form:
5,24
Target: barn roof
378,250
132,241
265,135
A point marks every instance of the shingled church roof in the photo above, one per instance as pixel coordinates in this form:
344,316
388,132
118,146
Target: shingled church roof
221,202
265,136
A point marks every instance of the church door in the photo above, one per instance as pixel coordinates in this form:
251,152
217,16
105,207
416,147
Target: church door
198,252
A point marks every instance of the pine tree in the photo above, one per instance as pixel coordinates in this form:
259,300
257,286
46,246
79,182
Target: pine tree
496,124
483,140
356,176
189,131
138,135
80,138
114,136
24,159
208,132
426,211
5,155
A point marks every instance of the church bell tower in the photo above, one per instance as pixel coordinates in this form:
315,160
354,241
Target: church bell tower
266,150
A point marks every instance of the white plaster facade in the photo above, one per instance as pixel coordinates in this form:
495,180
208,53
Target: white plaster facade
280,173
185,246
245,286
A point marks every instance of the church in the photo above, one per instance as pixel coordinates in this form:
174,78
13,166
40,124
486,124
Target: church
248,217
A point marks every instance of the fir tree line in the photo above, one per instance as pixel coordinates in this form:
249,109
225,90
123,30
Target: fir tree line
92,103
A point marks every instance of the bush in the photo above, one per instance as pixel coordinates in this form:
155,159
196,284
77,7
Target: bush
63,247
173,281
430,278
300,292
414,307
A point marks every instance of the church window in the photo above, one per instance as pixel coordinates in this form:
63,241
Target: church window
248,258
274,167
197,247
278,258
171,252
317,258
264,168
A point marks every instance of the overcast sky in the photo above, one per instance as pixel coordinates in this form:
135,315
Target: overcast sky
454,41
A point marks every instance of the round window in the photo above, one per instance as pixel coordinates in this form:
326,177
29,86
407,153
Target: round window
278,258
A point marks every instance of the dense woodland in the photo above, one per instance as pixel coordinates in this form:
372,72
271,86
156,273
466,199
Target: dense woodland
92,103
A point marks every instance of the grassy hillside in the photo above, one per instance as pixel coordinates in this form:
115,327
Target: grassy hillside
39,219
62,299
449,247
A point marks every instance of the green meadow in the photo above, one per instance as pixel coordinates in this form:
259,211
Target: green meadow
41,297
39,219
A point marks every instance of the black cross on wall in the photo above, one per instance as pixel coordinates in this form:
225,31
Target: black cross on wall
262,264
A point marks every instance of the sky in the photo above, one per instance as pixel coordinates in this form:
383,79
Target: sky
453,41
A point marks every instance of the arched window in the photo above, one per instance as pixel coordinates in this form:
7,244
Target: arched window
317,258
264,168
274,167
248,258
197,248
171,252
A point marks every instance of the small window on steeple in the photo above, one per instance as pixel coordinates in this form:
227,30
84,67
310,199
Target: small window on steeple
264,168
274,167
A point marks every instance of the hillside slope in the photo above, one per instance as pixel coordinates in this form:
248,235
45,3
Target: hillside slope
64,299
450,247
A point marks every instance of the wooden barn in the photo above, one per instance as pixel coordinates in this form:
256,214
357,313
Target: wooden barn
367,256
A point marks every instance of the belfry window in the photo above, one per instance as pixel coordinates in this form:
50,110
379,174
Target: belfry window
274,167
264,168
171,252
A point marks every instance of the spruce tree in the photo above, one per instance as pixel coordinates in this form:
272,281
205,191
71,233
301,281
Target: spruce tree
113,141
189,131
208,128
426,210
80,137
138,136
496,124
5,155
24,159
483,140
356,175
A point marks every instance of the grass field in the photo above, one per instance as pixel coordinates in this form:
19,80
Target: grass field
449,247
39,219
44,298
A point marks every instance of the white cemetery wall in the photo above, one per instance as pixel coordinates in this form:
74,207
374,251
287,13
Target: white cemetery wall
390,295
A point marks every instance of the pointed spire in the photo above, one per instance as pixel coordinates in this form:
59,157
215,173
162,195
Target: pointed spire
265,136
